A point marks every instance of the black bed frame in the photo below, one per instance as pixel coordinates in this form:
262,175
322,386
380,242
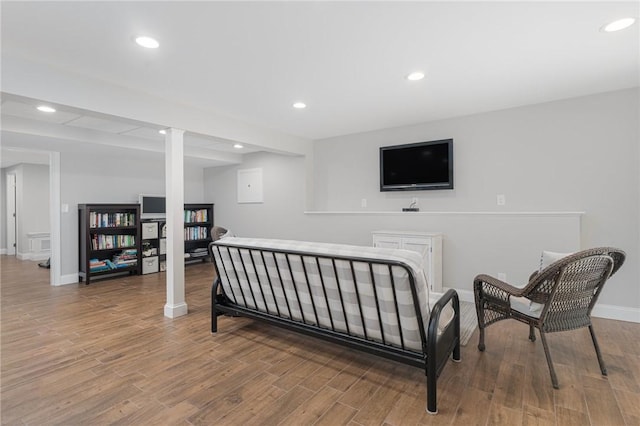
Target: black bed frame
436,350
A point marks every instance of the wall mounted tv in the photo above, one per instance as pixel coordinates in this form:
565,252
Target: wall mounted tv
152,206
417,166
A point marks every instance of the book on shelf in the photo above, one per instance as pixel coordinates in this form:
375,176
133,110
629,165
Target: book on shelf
111,220
195,216
199,252
97,265
196,233
106,242
124,259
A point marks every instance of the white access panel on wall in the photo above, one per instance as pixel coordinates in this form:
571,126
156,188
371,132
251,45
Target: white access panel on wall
427,244
250,186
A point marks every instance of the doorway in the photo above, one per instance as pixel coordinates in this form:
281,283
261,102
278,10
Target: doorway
43,230
11,216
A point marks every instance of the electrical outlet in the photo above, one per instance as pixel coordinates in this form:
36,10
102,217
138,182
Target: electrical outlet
501,199
502,276
363,202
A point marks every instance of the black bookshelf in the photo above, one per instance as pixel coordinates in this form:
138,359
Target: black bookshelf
109,240
198,221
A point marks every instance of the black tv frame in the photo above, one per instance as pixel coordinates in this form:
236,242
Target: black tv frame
418,186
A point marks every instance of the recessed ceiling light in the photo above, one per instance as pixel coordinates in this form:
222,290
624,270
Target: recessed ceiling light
162,132
618,25
238,146
148,42
45,108
415,76
299,105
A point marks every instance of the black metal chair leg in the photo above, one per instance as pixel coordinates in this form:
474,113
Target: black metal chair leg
554,378
603,367
214,313
532,334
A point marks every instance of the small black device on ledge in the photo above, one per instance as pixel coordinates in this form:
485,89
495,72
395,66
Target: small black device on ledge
410,209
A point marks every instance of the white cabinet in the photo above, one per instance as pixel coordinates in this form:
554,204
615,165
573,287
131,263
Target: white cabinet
428,244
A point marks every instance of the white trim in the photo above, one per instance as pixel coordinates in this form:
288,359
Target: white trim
620,313
458,213
12,229
3,251
68,279
23,256
174,311
33,256
464,295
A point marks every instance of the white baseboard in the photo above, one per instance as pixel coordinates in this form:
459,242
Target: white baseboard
3,251
33,256
463,295
69,279
174,311
620,313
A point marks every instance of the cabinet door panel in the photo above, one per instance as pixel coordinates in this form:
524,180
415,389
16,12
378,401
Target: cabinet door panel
386,243
419,245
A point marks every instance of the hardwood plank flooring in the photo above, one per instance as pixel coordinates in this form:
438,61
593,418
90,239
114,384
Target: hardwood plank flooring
105,354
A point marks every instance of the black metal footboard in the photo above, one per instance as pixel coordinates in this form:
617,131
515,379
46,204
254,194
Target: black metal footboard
263,274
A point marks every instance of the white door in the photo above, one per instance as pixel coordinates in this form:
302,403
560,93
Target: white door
11,214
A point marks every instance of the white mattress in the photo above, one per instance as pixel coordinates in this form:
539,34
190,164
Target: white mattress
291,286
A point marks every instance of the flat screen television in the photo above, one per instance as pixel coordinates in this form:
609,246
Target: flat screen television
152,206
417,166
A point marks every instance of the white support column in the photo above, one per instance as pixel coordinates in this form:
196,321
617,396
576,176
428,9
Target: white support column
55,261
174,177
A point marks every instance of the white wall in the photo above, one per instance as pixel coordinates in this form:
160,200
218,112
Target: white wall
34,210
85,179
3,212
32,204
572,155
281,213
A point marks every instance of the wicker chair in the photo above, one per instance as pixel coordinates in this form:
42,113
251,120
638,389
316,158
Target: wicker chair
566,292
217,232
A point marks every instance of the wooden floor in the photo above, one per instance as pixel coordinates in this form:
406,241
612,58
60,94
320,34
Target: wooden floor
105,354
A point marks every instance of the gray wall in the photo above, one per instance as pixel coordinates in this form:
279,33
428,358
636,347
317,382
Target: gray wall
85,179
571,155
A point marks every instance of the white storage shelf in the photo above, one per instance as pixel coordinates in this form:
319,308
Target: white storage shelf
427,244
150,260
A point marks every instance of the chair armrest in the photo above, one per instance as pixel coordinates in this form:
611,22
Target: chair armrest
441,341
434,318
488,286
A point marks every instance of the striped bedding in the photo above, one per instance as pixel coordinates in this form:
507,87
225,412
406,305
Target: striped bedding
326,292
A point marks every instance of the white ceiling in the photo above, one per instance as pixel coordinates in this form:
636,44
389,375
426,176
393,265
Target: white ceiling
251,60
11,157
71,128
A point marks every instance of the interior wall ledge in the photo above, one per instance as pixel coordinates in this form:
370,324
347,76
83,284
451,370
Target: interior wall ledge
446,213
